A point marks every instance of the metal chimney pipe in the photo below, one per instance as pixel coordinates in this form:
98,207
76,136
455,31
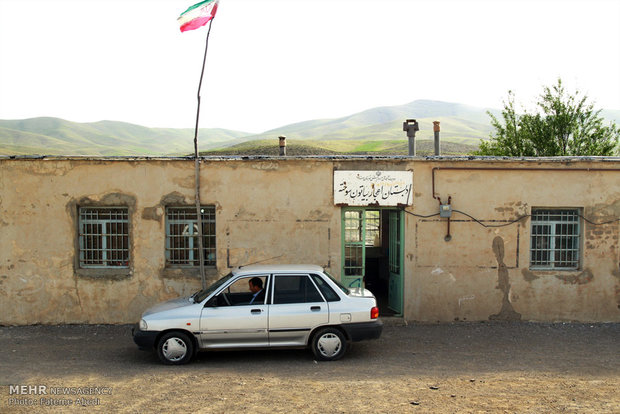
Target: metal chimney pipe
411,127
282,145
436,131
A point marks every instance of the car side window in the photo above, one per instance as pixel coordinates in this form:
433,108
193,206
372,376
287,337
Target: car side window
240,292
325,289
295,289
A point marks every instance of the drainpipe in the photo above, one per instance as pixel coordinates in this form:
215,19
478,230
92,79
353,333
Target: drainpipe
411,127
436,131
282,145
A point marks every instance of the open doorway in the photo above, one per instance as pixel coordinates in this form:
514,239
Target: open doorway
372,249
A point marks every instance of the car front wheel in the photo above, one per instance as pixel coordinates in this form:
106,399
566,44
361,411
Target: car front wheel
175,348
329,344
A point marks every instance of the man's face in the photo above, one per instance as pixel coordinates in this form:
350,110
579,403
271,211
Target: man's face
253,287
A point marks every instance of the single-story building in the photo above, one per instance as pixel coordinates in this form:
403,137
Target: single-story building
100,239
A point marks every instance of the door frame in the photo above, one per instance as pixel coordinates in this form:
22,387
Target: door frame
401,217
401,261
362,242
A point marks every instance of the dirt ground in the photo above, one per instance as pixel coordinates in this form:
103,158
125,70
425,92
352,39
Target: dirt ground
447,368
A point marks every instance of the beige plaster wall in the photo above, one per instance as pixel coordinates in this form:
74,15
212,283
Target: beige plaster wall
281,210
483,273
264,209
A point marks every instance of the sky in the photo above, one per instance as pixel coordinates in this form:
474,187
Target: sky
276,62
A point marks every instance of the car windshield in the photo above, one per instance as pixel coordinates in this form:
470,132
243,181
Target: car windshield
344,289
202,294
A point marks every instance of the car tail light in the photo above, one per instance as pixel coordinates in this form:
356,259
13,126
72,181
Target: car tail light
374,313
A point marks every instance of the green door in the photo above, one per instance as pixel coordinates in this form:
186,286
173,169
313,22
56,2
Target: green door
395,286
353,247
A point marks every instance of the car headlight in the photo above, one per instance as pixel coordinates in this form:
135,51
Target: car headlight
143,325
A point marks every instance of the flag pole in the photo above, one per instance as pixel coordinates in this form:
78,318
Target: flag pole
197,169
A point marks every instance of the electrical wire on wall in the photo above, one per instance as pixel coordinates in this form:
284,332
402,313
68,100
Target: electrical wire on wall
436,170
598,224
510,222
418,215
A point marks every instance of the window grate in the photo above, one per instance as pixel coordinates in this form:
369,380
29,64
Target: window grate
353,243
555,239
353,226
103,237
394,246
182,236
373,227
354,260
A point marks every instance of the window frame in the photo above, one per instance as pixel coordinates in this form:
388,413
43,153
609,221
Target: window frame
374,227
102,223
548,241
189,249
244,289
325,289
274,286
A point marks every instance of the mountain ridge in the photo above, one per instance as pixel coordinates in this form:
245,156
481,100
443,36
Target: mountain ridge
379,127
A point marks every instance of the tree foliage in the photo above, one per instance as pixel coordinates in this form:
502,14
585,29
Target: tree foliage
563,125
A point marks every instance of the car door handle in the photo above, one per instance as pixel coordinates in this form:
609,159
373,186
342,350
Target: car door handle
315,308
256,311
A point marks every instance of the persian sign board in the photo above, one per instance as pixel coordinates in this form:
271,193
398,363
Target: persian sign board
376,188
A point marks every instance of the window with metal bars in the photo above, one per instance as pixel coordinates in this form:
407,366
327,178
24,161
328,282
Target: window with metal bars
394,246
555,239
103,237
353,243
373,227
182,236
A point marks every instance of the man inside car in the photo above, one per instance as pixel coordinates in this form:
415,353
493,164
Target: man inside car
256,287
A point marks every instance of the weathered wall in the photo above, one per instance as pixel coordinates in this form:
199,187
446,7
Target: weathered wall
483,273
283,209
264,209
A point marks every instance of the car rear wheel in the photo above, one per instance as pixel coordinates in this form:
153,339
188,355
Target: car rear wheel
329,344
175,348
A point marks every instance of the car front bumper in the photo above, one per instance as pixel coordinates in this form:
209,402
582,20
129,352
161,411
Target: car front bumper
144,339
364,330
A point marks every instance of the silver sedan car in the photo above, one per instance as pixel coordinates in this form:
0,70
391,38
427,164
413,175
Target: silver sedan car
262,306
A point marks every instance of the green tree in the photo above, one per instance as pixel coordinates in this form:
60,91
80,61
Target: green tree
564,124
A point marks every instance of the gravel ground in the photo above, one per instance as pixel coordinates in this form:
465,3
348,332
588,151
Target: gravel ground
461,367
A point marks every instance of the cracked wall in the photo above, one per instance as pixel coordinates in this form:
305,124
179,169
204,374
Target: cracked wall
472,278
264,210
281,211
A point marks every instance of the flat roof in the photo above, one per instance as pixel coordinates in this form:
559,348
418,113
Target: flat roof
432,158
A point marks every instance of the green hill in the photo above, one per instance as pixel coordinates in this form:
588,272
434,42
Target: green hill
352,147
54,136
376,130
459,123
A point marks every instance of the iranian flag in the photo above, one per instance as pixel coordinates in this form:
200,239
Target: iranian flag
198,15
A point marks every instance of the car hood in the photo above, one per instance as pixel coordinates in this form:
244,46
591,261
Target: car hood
361,293
170,304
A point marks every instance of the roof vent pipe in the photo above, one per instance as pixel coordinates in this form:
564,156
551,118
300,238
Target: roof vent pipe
411,127
282,145
436,131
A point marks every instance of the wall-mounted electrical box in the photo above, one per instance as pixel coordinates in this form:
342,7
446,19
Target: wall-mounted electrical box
445,210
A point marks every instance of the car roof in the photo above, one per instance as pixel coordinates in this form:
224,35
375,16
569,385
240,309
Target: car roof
279,268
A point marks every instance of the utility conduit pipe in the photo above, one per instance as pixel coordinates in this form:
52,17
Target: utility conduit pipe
448,236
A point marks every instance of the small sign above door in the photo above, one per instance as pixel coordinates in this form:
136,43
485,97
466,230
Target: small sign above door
373,188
